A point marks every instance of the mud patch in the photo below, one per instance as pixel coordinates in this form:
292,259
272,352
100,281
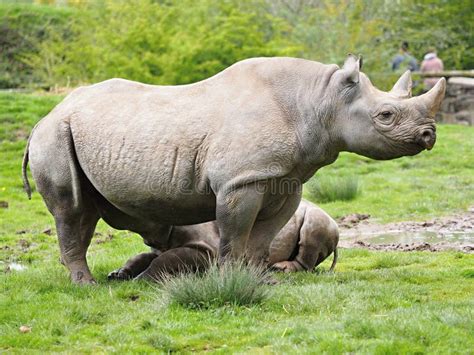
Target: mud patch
414,247
446,233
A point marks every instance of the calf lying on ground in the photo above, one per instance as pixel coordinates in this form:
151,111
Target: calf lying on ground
308,238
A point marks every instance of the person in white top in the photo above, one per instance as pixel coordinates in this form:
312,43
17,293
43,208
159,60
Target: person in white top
431,63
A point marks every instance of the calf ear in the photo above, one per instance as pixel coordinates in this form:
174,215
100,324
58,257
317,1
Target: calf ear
351,68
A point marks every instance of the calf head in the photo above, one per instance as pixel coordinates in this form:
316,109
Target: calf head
382,125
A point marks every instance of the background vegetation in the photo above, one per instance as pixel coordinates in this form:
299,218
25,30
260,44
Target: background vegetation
22,30
176,42
329,189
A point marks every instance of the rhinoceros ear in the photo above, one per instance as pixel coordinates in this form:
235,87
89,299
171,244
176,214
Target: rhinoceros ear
352,67
402,87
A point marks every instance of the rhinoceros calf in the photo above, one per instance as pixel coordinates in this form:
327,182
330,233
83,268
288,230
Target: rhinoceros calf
235,148
308,238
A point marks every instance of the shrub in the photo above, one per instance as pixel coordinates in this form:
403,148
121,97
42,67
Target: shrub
333,189
22,28
158,42
177,42
233,283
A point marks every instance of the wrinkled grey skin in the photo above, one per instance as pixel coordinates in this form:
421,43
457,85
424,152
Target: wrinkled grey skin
308,238
235,148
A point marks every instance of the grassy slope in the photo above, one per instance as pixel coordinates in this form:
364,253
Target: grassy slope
376,302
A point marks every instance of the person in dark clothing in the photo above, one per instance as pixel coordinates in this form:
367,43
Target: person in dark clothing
404,59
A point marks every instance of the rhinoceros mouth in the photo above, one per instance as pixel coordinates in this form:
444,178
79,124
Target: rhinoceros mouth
402,148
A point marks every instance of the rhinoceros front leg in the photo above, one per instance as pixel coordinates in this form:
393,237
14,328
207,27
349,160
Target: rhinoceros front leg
265,230
236,212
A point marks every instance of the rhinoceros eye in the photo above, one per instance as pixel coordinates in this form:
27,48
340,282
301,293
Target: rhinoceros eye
386,115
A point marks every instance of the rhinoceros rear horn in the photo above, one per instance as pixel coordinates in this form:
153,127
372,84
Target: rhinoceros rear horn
433,98
402,87
352,67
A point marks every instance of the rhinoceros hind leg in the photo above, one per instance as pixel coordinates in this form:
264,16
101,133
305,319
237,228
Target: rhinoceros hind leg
66,191
74,235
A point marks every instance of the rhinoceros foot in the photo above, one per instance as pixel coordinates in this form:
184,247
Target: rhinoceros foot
80,278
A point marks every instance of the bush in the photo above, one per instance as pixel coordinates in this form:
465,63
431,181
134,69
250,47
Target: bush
233,283
333,189
22,29
158,42
178,42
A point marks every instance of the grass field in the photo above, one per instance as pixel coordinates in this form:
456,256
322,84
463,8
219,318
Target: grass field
376,302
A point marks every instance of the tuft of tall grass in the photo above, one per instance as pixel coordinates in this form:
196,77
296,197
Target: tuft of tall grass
333,189
232,283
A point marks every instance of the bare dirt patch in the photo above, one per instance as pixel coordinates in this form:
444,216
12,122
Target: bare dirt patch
454,232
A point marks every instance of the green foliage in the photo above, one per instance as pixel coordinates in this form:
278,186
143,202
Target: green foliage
231,284
445,25
178,42
333,189
328,30
160,43
22,27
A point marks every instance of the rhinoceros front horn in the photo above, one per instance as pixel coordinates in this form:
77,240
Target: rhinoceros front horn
433,98
402,87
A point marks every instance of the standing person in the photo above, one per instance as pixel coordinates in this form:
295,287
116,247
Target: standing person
431,63
404,60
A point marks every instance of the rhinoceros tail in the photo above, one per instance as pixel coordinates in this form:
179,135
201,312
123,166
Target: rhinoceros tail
26,183
334,261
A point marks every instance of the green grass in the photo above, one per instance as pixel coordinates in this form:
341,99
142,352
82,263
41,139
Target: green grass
376,302
233,284
323,190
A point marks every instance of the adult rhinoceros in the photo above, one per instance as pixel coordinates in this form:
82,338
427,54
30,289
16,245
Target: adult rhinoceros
236,148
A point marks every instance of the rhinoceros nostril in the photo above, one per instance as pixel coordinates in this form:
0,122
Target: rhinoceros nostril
427,138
